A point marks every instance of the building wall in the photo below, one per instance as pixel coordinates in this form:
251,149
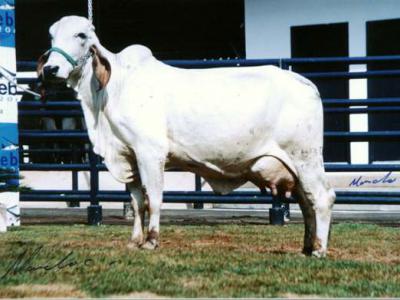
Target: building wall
268,32
268,22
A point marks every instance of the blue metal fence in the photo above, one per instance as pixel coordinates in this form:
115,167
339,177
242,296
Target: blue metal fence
198,197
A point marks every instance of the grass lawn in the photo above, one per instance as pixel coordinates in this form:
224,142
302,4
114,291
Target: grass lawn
198,261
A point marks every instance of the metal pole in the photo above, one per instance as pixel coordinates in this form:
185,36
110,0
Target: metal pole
74,188
198,189
277,212
94,209
74,179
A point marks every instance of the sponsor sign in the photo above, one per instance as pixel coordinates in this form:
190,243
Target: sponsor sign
9,156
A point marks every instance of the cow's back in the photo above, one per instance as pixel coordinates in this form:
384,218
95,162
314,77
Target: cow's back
232,114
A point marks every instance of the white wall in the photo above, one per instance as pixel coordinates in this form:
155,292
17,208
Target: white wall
267,22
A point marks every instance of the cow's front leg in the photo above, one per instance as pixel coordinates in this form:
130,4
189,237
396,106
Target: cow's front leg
139,208
151,169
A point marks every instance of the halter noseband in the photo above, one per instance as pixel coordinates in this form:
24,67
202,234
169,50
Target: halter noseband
68,57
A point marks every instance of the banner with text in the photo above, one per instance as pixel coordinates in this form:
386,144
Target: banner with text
9,157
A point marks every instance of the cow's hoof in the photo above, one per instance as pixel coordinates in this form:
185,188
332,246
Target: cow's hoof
319,253
314,253
133,245
150,245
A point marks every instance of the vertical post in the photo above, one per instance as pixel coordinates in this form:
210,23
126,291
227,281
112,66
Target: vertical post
277,212
198,189
94,209
287,211
74,180
74,188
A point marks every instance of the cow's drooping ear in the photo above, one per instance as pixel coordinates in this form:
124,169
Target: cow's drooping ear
101,67
41,61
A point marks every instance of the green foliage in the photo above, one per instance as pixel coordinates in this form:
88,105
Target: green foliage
203,261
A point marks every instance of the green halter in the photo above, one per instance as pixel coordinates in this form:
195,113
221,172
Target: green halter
68,57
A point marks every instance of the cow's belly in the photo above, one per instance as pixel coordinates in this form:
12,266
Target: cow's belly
222,175
264,171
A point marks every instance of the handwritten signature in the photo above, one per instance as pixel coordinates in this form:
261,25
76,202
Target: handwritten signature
25,263
359,181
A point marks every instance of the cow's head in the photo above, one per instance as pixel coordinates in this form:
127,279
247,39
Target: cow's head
73,42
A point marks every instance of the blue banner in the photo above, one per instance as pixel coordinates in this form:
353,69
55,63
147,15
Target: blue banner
7,23
9,149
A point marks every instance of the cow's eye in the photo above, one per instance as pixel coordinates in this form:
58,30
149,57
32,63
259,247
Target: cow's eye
82,36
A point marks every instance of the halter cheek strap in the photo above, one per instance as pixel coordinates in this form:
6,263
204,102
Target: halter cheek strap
68,57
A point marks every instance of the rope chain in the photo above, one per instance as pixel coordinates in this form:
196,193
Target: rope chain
90,11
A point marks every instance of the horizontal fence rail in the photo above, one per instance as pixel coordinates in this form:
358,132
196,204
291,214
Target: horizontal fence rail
68,108
348,197
27,135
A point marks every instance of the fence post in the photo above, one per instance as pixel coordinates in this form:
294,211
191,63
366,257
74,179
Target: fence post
277,212
95,215
74,178
74,188
198,189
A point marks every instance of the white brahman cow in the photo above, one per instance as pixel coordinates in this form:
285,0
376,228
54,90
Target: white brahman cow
229,125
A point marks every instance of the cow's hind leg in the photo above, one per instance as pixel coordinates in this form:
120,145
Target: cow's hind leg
316,199
139,208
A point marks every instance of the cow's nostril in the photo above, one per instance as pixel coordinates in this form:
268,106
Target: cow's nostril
50,70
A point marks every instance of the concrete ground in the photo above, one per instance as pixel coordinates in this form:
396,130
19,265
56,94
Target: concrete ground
198,216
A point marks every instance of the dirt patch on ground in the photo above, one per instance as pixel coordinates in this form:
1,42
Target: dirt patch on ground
220,239
42,290
296,296
191,283
386,256
137,295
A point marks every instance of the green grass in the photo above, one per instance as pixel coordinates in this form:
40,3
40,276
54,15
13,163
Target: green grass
203,261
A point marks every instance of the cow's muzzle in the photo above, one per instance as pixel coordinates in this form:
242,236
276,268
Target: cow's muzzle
50,71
